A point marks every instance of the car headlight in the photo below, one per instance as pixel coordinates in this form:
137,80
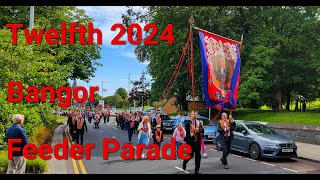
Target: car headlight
272,144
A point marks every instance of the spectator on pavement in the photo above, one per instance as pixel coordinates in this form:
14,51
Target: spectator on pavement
17,165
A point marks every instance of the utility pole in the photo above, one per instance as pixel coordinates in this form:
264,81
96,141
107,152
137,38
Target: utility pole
102,88
31,21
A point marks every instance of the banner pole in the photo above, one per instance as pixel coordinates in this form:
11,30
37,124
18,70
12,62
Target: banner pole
191,21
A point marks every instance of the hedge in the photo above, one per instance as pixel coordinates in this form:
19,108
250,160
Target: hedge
36,166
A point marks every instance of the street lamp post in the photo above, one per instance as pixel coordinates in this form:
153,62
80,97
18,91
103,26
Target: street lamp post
31,21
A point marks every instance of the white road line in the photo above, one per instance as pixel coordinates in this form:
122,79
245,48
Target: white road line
182,170
113,137
236,156
290,170
268,164
101,131
134,147
212,149
251,159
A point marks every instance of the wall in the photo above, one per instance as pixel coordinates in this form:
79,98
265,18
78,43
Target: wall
300,133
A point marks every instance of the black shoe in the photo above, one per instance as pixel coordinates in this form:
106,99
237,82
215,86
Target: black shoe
184,166
226,167
197,172
222,162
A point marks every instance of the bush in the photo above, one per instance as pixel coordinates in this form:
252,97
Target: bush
43,136
36,166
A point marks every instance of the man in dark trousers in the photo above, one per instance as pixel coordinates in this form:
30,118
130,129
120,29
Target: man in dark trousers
71,124
225,128
193,138
81,124
17,165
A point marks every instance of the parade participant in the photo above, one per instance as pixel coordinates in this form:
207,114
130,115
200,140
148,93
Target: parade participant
90,116
96,121
158,136
123,121
179,134
73,127
108,114
136,122
104,116
17,165
130,126
225,128
193,130
157,121
144,135
81,124
117,120
69,122
204,154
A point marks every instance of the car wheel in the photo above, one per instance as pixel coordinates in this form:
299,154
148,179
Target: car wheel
218,146
254,151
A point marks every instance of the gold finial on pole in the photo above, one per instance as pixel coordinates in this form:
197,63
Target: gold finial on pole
191,20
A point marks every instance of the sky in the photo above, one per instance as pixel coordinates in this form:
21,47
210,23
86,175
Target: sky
117,60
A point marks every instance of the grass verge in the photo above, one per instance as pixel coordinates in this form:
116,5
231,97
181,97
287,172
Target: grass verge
312,118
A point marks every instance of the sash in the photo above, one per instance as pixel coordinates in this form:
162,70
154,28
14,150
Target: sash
228,126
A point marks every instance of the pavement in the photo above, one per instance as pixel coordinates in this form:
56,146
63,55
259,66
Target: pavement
239,163
308,151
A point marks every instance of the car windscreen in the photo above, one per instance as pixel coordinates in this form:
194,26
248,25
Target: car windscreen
206,122
261,129
165,117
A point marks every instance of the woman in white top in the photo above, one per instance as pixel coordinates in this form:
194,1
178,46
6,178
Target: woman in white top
144,135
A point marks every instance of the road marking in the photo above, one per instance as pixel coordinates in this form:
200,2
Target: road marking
101,131
182,170
212,149
83,169
236,156
268,164
290,170
113,137
134,147
75,167
251,159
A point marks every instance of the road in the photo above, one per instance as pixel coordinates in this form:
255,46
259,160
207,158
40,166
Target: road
238,163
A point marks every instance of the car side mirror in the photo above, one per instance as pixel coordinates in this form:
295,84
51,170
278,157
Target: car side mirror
244,132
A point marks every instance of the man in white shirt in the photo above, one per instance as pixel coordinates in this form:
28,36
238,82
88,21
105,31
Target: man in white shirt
225,127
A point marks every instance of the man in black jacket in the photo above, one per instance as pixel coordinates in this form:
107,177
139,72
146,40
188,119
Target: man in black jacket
72,125
81,124
225,128
193,138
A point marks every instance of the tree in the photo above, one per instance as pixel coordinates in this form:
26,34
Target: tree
116,100
276,60
97,98
140,90
122,92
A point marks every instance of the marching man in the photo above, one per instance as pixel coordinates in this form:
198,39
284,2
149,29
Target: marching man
225,127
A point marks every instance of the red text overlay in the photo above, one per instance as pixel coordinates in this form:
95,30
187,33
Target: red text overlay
63,94
84,34
110,145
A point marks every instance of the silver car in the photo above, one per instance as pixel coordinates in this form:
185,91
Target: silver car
259,140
